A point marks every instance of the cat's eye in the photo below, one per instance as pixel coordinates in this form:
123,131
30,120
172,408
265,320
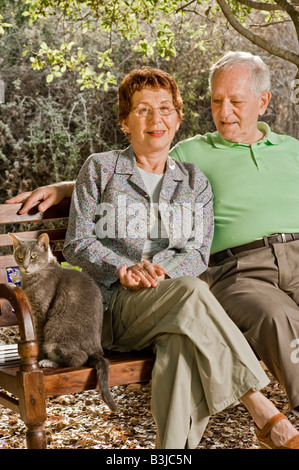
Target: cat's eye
20,257
33,256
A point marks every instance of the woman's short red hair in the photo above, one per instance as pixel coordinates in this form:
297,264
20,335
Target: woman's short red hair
146,77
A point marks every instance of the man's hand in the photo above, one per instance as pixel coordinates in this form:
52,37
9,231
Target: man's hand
47,196
143,274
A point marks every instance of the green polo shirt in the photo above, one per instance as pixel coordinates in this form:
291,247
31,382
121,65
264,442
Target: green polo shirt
256,187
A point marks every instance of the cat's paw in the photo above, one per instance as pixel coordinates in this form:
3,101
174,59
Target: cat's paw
47,363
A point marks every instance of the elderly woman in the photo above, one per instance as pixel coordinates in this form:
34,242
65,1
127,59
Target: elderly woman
142,224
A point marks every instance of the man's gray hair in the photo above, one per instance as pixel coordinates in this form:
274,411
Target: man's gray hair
260,75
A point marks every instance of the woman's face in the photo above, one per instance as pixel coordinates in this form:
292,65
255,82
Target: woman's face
152,133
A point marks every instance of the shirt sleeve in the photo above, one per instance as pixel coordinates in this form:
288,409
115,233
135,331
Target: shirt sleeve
82,248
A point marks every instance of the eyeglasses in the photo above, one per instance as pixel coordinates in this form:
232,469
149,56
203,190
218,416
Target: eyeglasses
145,111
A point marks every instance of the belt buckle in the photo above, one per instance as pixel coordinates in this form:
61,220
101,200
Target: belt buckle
282,236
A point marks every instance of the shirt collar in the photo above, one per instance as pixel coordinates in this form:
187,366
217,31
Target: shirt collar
269,137
126,164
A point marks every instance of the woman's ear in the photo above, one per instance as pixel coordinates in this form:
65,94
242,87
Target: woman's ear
125,126
178,122
125,129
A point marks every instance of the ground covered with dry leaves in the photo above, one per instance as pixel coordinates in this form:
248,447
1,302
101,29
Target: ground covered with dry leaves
83,421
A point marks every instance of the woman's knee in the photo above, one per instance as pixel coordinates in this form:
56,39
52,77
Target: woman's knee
190,284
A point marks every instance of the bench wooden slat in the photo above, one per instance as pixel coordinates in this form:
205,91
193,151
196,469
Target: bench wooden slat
9,402
7,261
8,379
9,213
57,234
124,368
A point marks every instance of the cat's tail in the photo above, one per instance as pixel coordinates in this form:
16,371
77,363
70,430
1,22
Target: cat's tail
101,365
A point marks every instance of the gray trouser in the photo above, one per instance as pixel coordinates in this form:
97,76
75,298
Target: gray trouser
259,290
203,363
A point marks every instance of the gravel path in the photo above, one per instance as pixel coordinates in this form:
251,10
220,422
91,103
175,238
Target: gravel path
81,421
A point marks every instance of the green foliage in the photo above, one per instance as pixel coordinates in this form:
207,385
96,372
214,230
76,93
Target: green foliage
239,10
120,19
3,25
64,60
61,62
51,140
55,116
51,143
149,25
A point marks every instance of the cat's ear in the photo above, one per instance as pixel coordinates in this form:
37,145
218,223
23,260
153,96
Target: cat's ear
15,240
43,241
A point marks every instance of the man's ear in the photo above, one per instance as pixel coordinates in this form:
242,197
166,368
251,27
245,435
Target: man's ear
264,100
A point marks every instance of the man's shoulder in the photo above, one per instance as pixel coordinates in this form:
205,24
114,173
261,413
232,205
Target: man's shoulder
280,137
188,168
193,176
289,139
199,139
184,149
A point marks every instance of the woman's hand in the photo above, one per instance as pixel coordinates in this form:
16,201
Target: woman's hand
48,195
143,274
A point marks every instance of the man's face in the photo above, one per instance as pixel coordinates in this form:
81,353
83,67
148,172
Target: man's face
235,108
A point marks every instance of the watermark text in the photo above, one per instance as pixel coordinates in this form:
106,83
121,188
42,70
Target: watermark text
137,220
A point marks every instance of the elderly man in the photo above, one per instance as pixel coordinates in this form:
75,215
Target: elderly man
254,174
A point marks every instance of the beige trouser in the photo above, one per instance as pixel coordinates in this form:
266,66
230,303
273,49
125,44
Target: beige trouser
203,363
259,289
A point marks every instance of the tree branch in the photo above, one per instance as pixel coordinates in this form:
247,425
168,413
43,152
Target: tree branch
292,12
260,5
185,6
266,25
255,38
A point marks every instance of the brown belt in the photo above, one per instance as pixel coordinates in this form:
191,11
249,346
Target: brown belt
275,238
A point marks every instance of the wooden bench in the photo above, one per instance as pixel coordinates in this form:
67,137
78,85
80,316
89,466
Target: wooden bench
24,387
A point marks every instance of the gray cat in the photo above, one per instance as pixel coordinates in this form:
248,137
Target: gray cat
67,311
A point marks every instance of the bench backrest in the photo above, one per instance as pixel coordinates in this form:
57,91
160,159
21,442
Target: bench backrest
53,222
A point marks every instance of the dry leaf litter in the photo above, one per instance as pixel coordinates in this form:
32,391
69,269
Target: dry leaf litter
83,421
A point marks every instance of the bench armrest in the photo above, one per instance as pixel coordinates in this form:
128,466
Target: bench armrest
27,347
18,301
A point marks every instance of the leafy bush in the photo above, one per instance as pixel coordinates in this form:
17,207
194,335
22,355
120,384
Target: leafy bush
49,127
49,124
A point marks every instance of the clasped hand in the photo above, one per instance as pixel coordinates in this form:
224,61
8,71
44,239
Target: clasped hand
143,274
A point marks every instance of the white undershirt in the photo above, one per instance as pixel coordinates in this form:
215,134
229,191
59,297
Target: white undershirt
157,237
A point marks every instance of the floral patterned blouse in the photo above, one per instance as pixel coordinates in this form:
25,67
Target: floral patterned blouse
110,218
